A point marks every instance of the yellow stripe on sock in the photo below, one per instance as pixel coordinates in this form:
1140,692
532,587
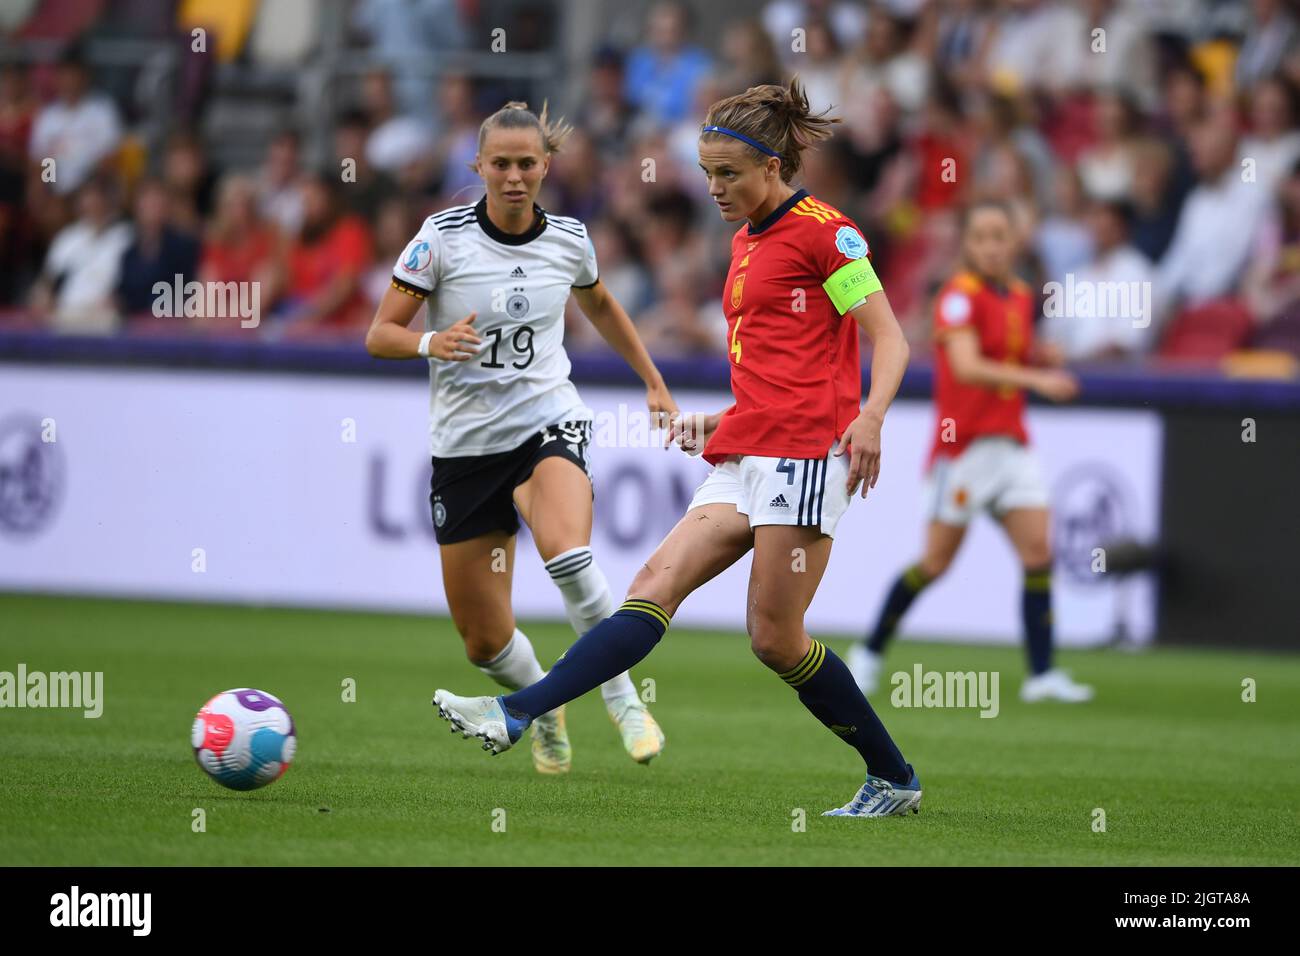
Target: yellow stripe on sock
785,675
1038,582
813,666
806,667
915,578
648,607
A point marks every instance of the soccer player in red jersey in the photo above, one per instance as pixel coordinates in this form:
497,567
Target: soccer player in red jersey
788,455
981,459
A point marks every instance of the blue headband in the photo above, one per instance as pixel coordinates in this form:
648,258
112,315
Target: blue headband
743,138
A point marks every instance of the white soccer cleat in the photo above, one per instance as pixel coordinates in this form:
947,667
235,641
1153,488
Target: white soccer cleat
865,665
551,750
481,717
880,798
642,738
1054,684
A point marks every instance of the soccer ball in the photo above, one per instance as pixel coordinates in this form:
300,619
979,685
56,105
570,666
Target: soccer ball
243,738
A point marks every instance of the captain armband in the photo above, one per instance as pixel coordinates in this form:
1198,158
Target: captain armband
851,283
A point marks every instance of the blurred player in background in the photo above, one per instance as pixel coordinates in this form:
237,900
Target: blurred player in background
787,455
510,436
981,459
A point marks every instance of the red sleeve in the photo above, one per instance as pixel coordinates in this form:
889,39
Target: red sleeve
955,309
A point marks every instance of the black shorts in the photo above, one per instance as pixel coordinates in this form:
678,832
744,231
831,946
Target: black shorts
474,495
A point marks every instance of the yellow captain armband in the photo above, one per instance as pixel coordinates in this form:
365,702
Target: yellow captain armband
851,283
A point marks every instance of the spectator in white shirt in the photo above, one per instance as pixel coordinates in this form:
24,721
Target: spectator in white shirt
75,288
1271,287
1216,226
78,130
1030,43
1106,167
1273,145
1062,241
410,36
396,140
846,21
1269,38
1109,313
1120,56
279,183
886,60
821,70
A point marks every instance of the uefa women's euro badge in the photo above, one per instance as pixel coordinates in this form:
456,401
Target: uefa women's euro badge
850,242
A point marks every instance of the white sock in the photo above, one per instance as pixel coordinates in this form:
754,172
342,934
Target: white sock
588,602
516,666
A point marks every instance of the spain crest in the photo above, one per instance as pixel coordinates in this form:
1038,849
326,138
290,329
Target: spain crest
737,290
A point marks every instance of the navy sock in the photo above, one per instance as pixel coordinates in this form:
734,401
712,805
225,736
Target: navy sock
909,584
608,649
1036,608
828,690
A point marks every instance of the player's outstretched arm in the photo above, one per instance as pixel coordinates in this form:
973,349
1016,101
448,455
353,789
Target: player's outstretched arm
972,367
389,337
615,327
889,354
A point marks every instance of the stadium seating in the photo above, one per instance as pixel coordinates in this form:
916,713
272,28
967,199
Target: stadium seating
60,19
1282,334
1207,332
230,21
286,31
14,12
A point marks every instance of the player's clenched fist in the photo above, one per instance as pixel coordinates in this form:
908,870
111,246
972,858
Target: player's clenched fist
457,343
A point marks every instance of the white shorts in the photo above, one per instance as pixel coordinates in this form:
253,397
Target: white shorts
991,474
794,491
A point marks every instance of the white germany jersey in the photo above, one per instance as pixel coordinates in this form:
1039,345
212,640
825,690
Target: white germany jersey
518,382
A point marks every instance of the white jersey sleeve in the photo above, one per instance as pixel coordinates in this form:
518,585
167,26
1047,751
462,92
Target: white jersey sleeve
588,273
416,270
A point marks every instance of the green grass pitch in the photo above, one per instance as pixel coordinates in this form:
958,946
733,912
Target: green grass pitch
1186,772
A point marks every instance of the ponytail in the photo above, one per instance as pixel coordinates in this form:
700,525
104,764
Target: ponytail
776,117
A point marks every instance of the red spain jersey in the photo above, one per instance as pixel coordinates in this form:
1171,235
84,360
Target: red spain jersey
1003,321
795,369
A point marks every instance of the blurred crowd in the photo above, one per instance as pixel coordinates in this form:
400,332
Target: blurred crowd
1144,145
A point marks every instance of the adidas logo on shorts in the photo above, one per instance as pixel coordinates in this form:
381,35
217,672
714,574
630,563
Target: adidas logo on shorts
778,502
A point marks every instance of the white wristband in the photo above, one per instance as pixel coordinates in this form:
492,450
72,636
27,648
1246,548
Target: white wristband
423,347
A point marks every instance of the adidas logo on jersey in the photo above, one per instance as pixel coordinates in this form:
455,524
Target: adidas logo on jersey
518,273
778,502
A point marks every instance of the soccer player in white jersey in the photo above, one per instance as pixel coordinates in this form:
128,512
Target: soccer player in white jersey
509,433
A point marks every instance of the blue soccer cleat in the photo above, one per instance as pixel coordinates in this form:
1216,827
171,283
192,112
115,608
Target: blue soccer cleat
880,798
483,717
